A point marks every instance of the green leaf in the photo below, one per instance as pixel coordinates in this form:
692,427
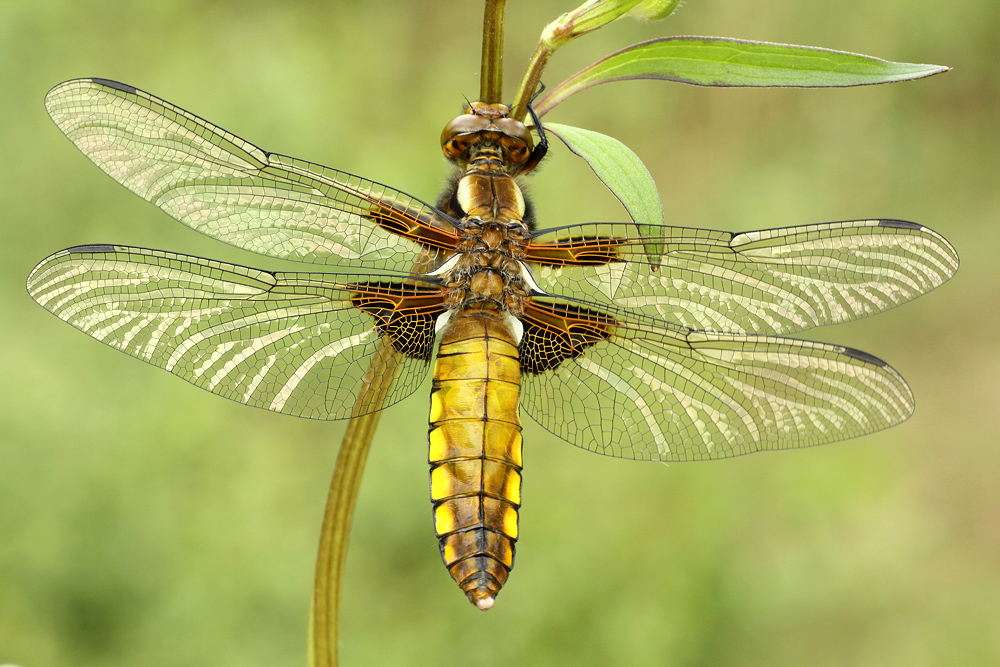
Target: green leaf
717,61
622,172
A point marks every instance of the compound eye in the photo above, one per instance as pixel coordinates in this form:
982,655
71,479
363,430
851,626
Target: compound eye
516,130
465,124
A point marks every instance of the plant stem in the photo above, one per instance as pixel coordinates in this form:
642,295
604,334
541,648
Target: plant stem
336,532
491,67
532,76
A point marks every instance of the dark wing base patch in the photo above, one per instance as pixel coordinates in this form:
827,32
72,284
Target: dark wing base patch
405,313
554,332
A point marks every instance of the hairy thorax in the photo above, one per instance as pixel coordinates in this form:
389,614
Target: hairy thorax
487,269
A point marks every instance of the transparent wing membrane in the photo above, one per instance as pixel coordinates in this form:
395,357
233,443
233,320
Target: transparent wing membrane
773,281
231,190
653,391
295,343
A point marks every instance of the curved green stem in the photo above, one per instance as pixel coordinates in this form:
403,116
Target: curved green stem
530,81
336,533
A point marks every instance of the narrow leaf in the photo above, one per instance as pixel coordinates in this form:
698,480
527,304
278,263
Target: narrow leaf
718,61
622,172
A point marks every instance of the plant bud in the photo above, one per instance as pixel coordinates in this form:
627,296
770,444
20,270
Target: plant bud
588,17
654,10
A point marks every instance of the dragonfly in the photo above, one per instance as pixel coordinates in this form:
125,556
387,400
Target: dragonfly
675,354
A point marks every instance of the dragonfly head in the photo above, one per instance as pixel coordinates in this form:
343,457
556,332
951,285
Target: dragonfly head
484,123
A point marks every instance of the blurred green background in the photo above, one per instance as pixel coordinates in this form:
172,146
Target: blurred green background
146,522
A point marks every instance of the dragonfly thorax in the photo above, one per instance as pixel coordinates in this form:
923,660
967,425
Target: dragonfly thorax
487,268
489,287
489,198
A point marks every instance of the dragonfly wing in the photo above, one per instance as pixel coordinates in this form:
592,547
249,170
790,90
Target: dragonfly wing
296,343
229,189
772,281
632,387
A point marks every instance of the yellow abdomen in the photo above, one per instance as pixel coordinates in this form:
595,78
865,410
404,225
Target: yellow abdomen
475,451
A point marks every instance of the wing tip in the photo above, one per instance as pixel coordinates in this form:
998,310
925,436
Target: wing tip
76,83
944,246
41,267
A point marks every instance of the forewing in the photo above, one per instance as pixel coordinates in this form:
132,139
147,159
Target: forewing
772,281
634,388
295,343
231,190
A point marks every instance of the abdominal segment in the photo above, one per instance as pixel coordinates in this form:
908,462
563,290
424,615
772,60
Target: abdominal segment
475,451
